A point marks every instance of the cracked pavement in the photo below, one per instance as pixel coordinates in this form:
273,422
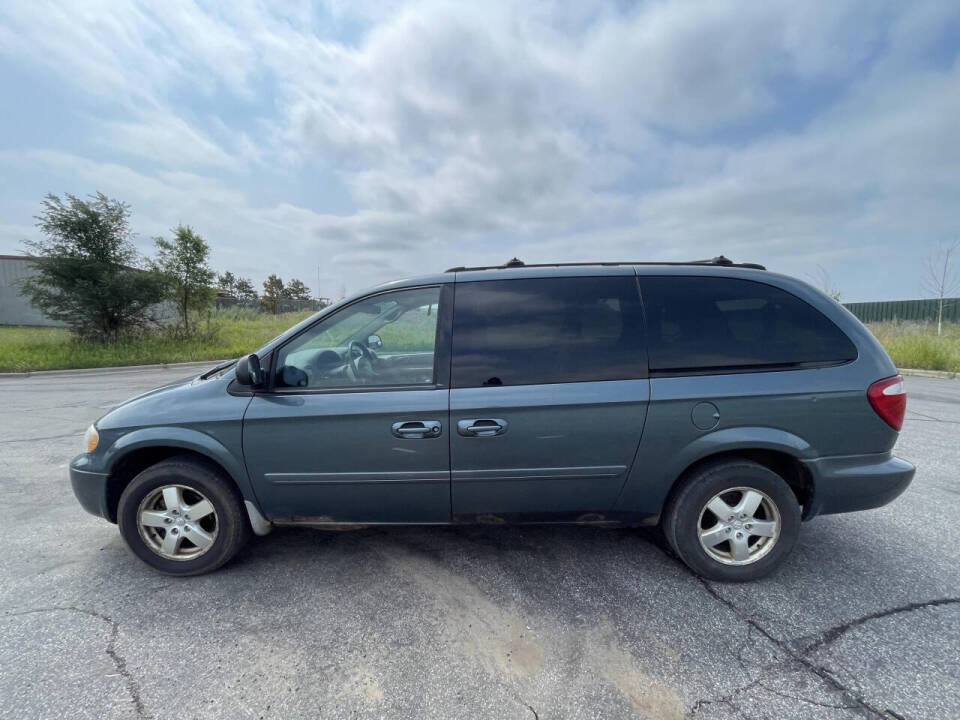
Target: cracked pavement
534,622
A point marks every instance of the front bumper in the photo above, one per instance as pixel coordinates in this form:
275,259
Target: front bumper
89,486
855,482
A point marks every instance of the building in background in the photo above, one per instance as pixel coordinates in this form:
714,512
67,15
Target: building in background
14,308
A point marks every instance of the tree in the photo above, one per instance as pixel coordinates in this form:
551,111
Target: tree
273,293
228,284
239,288
183,263
297,291
87,270
941,276
825,283
245,292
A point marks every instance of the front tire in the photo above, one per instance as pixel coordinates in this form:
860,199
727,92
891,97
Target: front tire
182,517
732,521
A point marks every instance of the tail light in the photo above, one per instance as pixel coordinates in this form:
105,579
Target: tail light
889,399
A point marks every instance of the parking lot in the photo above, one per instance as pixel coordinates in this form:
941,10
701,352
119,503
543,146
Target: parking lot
533,622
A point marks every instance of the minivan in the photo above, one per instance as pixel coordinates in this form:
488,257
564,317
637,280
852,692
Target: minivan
719,402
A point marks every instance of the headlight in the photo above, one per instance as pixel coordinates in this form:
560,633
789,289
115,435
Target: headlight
90,439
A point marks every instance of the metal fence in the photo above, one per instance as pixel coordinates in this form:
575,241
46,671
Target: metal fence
909,310
285,305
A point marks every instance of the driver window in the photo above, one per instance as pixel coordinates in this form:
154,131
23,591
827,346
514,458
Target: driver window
384,340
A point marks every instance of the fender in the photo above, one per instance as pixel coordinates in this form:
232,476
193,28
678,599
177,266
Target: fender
180,437
740,438
651,479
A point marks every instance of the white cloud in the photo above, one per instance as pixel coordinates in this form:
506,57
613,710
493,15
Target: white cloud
691,66
127,53
790,133
167,140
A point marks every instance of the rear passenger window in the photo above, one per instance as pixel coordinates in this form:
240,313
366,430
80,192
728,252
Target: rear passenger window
549,330
696,323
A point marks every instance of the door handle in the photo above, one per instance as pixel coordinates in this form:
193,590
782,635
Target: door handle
415,429
482,427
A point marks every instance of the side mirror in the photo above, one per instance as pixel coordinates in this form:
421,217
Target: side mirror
374,342
248,370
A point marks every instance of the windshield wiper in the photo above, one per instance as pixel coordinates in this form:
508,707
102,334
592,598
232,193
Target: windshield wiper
219,368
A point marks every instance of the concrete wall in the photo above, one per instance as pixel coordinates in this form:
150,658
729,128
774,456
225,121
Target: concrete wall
14,308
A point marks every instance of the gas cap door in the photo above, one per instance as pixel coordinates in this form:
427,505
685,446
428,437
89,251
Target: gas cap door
705,415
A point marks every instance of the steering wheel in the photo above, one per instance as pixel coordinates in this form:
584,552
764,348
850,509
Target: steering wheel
365,354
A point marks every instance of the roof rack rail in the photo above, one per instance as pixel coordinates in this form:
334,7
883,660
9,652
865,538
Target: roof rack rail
719,260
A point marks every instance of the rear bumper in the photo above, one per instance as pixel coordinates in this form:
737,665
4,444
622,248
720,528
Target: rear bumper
90,487
855,482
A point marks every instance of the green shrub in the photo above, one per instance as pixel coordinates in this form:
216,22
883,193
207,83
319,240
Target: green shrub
916,345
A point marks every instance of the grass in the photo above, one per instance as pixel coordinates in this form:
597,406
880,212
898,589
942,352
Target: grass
916,345
226,334
232,333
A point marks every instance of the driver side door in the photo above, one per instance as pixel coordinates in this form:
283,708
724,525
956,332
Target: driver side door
349,433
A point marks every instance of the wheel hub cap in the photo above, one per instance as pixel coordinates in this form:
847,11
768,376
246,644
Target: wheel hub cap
177,522
739,526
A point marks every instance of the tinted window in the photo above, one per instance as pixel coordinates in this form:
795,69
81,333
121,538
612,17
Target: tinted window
524,332
705,323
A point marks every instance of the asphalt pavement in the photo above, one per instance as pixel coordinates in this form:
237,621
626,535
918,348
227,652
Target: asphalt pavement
480,622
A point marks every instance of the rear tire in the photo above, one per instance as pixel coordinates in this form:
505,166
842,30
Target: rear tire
732,521
155,522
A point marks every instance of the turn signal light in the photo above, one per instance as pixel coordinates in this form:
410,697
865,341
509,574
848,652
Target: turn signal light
91,439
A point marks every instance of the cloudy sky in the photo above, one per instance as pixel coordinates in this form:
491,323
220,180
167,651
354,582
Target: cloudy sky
379,140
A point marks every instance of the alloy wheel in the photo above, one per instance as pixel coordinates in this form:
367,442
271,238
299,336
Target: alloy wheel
739,526
177,522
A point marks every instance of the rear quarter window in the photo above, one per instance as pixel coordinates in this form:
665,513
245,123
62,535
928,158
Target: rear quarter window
703,324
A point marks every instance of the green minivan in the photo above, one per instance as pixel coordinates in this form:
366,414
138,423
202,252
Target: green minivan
721,402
